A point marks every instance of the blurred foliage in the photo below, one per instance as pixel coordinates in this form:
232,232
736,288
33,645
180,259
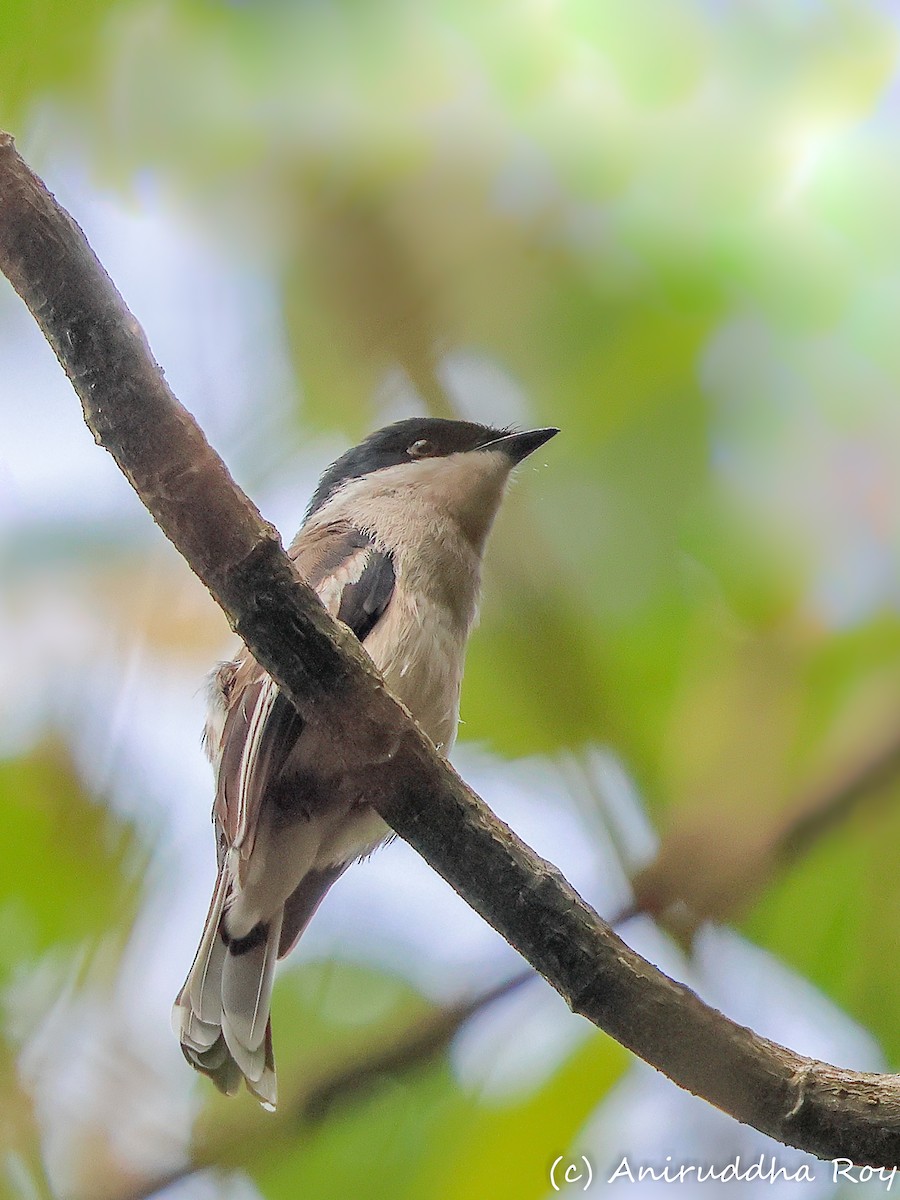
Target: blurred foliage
668,228
418,1134
845,894
50,818
71,886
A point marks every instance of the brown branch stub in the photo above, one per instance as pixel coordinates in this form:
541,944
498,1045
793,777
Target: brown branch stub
819,1108
688,882
823,809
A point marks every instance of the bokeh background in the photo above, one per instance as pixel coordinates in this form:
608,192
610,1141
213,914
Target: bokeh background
669,227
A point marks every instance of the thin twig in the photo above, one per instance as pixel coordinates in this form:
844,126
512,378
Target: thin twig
816,815
687,883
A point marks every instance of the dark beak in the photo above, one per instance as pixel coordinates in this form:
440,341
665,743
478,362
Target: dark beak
519,445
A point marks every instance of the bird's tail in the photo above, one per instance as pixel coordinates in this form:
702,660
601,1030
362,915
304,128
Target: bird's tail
221,1015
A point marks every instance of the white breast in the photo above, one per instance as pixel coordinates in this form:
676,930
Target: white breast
420,651
432,517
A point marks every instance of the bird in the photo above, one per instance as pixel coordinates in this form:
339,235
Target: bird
392,543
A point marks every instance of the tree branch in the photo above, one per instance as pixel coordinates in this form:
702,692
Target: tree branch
131,411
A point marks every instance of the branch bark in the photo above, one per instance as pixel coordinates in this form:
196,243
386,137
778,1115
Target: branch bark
817,1107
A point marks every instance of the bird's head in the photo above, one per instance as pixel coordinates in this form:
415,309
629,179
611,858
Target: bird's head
461,466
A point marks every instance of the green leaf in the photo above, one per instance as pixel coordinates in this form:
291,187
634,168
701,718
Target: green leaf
72,866
506,1150
834,917
47,45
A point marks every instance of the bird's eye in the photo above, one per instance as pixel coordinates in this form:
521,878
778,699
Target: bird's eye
419,449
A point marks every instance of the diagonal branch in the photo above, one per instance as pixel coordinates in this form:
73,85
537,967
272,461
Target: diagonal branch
131,411
811,817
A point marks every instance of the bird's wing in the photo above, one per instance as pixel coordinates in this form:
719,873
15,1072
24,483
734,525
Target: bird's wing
352,576
354,579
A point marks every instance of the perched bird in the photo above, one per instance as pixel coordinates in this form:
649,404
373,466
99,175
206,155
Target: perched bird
392,544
